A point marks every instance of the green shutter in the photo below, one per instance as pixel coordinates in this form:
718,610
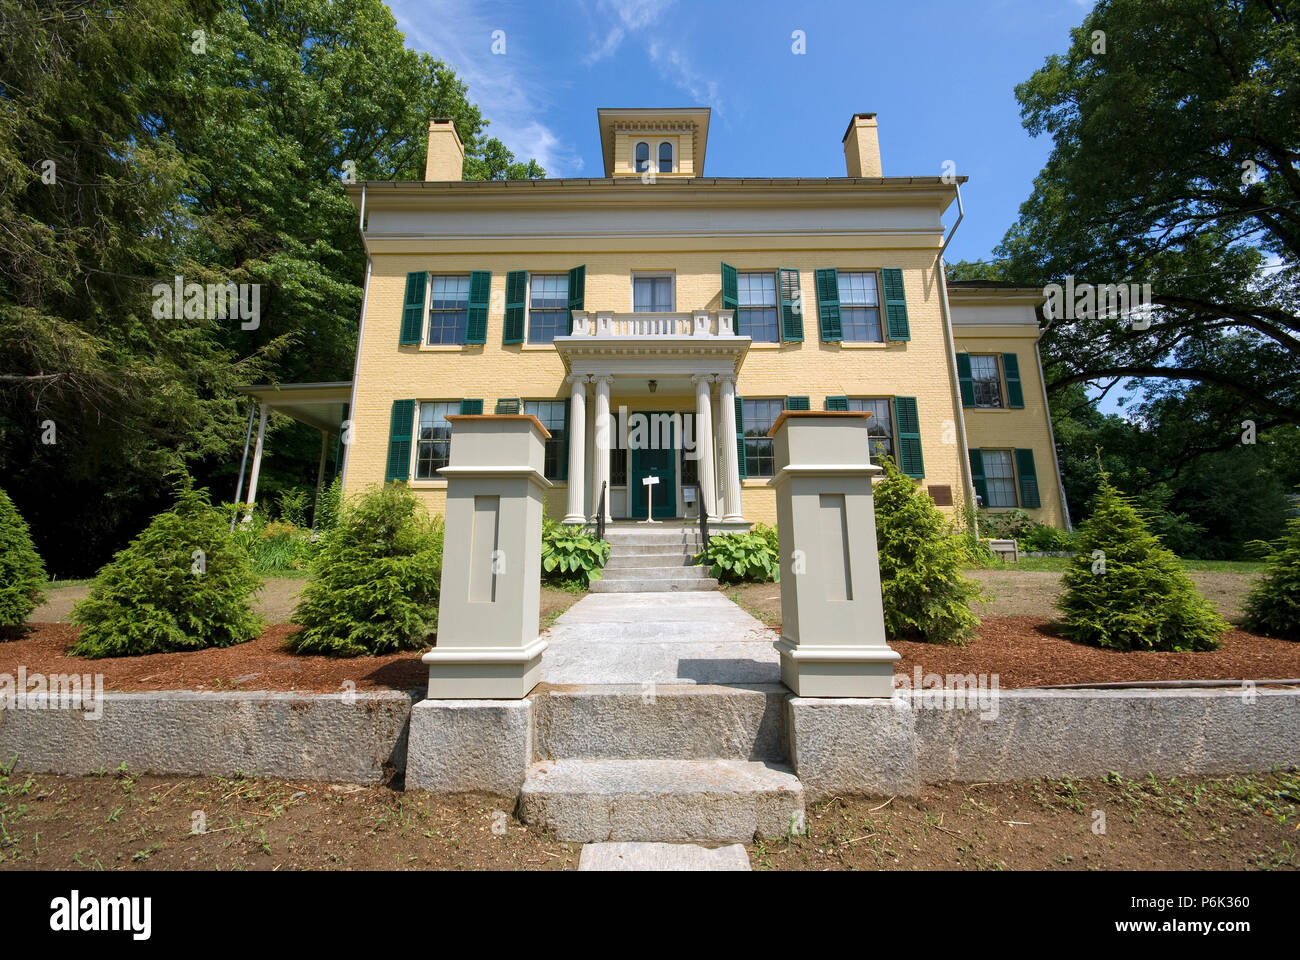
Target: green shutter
787,286
413,309
730,288
1028,479
480,295
910,460
399,441
977,475
740,438
563,470
516,294
837,403
797,403
471,407
828,304
577,288
965,381
508,406
895,304
1011,368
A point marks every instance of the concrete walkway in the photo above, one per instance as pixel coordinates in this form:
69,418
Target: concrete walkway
683,638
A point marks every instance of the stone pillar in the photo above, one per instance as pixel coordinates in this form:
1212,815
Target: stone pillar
832,618
577,512
704,442
730,464
604,439
489,607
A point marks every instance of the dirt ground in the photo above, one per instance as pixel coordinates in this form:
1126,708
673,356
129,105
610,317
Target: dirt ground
260,664
121,821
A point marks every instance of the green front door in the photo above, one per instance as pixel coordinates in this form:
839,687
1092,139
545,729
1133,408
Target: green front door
654,463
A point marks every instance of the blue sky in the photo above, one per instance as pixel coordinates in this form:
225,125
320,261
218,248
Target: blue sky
940,75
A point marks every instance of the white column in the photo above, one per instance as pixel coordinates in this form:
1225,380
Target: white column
730,465
704,442
577,444
604,437
257,458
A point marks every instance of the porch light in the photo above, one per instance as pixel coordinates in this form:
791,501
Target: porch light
654,385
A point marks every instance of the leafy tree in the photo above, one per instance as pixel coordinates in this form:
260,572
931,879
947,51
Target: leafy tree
1126,591
135,148
182,584
1174,163
21,572
921,560
1273,606
374,586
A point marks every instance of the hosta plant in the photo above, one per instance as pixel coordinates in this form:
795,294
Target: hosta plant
733,557
571,553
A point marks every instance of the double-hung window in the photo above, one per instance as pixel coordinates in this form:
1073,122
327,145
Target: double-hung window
448,309
759,415
548,306
880,425
756,314
986,380
433,438
999,478
860,307
551,414
652,293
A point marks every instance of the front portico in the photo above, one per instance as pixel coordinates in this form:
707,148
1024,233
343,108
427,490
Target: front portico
653,394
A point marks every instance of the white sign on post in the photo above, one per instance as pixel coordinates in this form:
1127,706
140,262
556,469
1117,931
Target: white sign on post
649,484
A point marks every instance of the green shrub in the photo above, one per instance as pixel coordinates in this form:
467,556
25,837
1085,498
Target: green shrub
21,572
183,584
1045,539
1126,591
733,557
921,559
375,579
571,554
1273,606
294,503
1028,533
328,508
274,546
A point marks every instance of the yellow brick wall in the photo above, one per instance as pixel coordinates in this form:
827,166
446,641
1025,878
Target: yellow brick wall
1010,429
386,371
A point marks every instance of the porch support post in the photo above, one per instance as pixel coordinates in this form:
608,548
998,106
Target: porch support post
730,464
257,457
604,429
704,442
577,447
320,473
832,616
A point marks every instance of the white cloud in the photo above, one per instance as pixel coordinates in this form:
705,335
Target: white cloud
506,86
675,67
632,16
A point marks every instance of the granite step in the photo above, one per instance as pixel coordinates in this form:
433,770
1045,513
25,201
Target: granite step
662,721
655,800
655,571
653,585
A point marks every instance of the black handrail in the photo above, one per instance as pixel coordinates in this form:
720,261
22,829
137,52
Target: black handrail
704,520
600,513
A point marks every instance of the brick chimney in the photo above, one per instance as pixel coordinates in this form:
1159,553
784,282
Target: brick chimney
862,147
446,159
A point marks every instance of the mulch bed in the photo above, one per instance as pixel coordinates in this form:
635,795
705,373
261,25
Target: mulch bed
1028,652
261,664
1023,651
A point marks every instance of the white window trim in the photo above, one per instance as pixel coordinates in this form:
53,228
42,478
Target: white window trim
652,275
528,307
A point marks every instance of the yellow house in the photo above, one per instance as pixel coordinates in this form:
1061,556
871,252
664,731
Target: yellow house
657,321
